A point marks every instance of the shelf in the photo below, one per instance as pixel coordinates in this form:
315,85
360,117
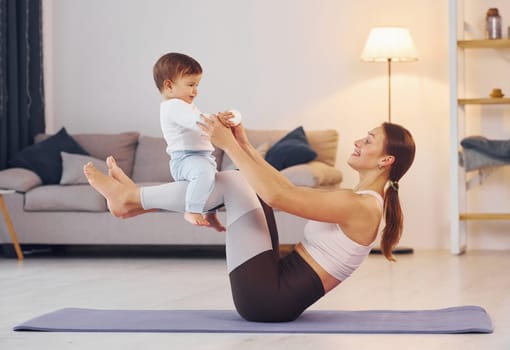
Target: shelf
461,58
484,101
484,216
484,44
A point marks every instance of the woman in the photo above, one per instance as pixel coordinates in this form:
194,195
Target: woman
342,229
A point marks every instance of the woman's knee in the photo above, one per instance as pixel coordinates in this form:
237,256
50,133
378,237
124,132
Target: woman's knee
231,178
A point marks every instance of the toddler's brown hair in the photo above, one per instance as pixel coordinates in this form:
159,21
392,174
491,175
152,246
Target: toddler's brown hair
173,65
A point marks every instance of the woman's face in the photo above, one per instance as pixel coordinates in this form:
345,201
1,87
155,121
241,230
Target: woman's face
368,150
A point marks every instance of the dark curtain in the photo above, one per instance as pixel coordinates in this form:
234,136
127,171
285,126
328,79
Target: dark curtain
21,76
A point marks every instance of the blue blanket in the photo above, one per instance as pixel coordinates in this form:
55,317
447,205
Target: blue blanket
471,159
499,149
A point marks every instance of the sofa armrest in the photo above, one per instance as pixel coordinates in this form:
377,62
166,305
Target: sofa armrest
19,179
313,174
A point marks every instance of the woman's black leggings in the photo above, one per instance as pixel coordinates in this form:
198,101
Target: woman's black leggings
268,288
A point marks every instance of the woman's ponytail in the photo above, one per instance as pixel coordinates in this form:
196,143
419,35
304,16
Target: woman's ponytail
394,222
399,144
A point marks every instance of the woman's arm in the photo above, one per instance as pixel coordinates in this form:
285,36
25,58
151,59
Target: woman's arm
265,180
339,206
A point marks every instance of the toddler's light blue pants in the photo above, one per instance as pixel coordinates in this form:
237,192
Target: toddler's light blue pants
199,169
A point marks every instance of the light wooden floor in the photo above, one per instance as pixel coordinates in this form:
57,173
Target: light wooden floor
424,280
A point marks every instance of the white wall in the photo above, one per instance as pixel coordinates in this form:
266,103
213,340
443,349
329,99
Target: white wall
282,63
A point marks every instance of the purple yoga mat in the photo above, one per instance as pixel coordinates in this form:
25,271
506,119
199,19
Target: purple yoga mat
462,319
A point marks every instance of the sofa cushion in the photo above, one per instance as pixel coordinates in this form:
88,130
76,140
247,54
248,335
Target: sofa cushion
44,159
72,168
292,149
325,143
228,164
121,146
19,179
64,198
151,160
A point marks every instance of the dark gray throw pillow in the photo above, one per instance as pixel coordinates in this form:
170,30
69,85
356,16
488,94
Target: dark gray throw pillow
291,150
44,158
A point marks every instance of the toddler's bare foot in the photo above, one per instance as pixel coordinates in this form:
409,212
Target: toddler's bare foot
121,198
214,222
196,219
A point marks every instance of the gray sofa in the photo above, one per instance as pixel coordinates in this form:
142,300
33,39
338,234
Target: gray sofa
72,213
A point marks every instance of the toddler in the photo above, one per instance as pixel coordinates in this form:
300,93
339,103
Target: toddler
177,77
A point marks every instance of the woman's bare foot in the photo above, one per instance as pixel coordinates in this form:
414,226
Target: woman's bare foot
116,172
121,198
214,222
196,219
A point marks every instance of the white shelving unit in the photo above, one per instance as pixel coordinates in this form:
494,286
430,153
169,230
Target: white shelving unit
458,103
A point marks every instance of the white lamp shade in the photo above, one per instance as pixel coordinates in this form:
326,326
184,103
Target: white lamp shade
393,43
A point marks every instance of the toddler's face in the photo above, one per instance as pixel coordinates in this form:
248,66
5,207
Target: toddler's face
186,87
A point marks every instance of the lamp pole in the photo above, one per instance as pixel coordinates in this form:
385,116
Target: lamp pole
389,89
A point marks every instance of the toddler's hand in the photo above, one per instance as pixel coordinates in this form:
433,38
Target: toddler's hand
225,118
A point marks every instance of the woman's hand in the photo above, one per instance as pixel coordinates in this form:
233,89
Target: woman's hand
224,118
221,136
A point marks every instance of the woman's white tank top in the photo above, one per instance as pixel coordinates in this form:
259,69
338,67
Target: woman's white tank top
332,249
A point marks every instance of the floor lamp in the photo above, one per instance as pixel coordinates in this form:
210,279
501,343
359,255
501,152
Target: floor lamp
390,44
